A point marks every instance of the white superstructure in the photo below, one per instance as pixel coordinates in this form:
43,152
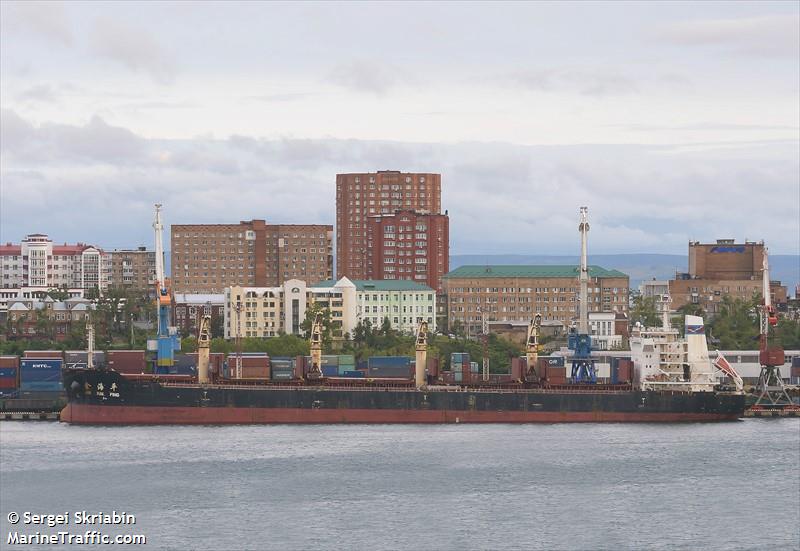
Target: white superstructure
663,360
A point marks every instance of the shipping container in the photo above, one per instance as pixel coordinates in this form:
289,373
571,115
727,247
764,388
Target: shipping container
796,361
9,361
78,359
348,359
389,361
330,370
40,374
433,367
474,367
555,361
353,374
390,372
43,354
126,361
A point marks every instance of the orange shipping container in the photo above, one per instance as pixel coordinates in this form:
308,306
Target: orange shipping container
9,361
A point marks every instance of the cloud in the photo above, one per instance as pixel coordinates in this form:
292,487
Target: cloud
502,198
366,76
97,142
769,35
48,20
585,82
38,93
133,48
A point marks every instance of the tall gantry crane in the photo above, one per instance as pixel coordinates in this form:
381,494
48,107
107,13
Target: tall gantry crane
580,341
166,338
771,392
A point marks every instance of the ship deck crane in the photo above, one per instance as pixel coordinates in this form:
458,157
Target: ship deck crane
166,338
532,345
203,350
770,389
421,354
315,372
579,340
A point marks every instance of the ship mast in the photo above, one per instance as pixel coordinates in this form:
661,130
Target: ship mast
583,299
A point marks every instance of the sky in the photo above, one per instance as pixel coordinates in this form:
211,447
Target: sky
671,121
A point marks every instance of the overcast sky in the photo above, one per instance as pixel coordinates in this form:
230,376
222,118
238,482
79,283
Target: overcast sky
671,121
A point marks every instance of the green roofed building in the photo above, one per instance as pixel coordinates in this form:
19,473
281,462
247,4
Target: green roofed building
517,293
405,303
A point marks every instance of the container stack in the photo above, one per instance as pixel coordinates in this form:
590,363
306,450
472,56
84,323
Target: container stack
519,367
254,366
40,375
433,367
390,367
460,366
347,363
126,361
621,371
9,375
282,368
78,359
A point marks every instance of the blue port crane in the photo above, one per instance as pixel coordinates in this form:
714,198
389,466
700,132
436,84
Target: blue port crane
166,342
579,339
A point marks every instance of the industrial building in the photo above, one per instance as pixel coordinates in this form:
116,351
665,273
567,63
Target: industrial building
362,195
207,258
721,269
517,293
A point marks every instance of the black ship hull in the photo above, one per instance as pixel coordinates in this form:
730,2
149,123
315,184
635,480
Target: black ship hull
106,397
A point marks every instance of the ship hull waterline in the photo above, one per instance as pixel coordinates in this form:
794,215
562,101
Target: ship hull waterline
177,415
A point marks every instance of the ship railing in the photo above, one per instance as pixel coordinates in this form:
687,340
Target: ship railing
558,389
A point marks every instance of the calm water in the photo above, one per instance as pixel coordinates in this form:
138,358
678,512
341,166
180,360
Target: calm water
550,487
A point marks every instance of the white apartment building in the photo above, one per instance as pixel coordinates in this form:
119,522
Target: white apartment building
266,311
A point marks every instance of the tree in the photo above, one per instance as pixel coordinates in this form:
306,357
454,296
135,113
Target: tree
735,327
327,324
644,311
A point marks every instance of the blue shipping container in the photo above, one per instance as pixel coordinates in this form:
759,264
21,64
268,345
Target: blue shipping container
353,374
40,371
389,361
330,370
8,372
43,386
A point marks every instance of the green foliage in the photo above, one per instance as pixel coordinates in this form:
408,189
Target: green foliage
282,345
327,325
787,333
188,345
644,311
735,327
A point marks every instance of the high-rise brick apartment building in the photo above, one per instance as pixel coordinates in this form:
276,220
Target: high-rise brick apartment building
720,269
365,195
207,258
133,269
408,245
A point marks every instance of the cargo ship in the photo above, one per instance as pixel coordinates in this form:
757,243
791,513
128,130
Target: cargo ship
316,393
529,395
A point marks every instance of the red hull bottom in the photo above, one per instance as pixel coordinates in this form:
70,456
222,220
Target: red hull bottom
139,415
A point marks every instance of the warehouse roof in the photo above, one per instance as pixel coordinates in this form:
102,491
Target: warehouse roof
529,271
380,285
